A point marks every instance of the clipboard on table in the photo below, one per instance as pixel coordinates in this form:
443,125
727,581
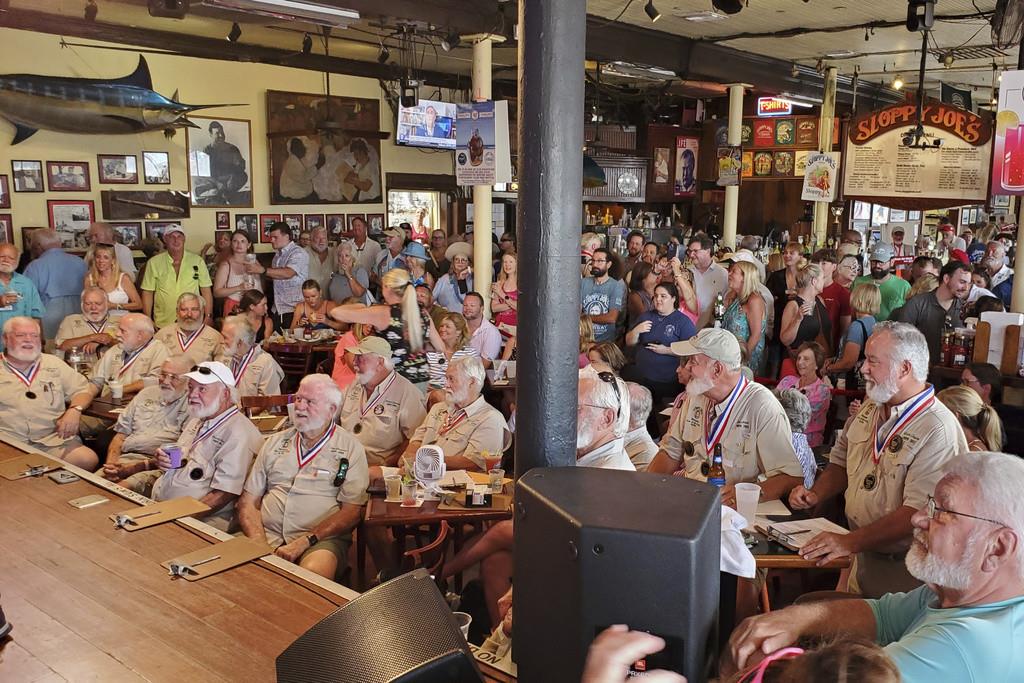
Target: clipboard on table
794,535
27,465
157,513
214,559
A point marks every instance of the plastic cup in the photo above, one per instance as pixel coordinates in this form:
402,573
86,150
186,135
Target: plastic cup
494,478
393,486
116,389
463,620
409,494
173,452
747,497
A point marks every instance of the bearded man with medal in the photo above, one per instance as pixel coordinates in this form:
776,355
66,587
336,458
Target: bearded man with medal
724,408
887,460
41,397
134,360
92,330
306,491
190,335
257,373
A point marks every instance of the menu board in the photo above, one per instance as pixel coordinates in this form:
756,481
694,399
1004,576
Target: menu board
879,166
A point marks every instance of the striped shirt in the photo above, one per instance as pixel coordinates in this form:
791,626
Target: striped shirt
438,364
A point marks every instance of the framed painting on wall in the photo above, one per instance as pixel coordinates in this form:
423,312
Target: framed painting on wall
129,234
68,176
114,169
28,176
344,165
267,220
313,220
335,227
155,229
5,193
375,223
156,168
6,228
223,220
70,218
220,162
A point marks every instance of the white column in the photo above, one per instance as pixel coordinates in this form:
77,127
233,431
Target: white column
822,214
732,193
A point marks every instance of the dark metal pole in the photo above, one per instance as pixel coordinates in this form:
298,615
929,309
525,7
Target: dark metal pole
552,37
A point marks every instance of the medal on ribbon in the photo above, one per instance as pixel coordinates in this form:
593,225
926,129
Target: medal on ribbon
206,431
713,431
238,367
304,458
894,442
132,357
186,341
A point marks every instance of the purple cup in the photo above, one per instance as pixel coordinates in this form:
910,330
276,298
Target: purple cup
173,452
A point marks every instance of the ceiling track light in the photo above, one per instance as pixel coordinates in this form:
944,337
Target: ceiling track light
450,41
384,54
307,44
652,12
897,83
235,33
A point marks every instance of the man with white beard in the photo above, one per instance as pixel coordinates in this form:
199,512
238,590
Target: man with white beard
218,444
463,425
92,330
600,423
154,417
41,397
256,372
306,491
724,408
134,360
967,622
886,461
190,334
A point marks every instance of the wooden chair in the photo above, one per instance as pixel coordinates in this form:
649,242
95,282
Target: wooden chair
296,360
418,557
254,405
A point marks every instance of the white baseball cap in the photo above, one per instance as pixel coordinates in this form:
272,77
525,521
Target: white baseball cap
209,372
173,227
713,342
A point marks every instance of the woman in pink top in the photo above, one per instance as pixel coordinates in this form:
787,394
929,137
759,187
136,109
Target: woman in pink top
810,359
505,297
683,279
344,364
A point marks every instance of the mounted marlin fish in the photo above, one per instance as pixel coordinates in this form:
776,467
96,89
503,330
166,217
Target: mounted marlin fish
91,105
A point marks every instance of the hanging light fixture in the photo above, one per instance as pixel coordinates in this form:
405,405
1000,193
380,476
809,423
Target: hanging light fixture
897,83
652,12
307,44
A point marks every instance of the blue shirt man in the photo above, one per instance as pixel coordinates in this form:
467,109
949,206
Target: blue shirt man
18,296
602,297
58,277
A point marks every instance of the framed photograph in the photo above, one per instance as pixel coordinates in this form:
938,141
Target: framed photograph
861,211
156,168
155,229
913,215
70,218
220,161
6,227
294,221
1001,201
267,220
375,223
879,215
248,222
26,237
117,168
336,227
347,163
68,176
973,216
128,233
223,220
897,216
28,176
5,193
662,165
314,220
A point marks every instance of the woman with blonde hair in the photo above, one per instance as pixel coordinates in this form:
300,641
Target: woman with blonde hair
981,424
804,317
505,296
105,273
400,321
922,285
865,301
745,313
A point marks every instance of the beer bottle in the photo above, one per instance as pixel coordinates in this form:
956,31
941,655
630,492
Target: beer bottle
719,310
716,475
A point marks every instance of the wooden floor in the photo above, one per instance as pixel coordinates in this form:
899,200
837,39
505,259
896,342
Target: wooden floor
91,603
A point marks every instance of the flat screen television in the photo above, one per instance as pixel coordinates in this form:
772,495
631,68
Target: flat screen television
428,124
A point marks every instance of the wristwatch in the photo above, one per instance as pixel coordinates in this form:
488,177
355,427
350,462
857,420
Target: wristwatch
312,540
78,408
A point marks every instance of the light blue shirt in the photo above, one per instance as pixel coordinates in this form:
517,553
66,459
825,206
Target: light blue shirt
981,644
59,278
600,298
447,294
29,305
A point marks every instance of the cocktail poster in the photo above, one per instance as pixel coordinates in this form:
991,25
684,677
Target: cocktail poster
481,143
821,177
1008,155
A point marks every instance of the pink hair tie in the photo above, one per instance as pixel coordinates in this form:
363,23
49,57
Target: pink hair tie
756,673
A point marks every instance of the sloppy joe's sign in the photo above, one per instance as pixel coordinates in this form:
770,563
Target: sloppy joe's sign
968,126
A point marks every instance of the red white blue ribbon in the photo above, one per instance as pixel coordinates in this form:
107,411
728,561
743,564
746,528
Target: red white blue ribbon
920,404
238,367
449,424
713,431
209,428
380,396
315,449
186,341
132,357
97,327
26,378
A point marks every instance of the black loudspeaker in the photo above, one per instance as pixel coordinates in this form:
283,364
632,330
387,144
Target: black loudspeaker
400,632
598,547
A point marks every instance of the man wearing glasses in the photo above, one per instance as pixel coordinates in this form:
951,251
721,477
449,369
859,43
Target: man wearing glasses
709,278
967,622
887,459
603,297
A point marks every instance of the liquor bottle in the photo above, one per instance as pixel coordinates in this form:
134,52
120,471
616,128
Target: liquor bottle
716,474
307,330
719,310
946,354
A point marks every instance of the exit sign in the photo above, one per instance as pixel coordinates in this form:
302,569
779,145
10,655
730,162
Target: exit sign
773,106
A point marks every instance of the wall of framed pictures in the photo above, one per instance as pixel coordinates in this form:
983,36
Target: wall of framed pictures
73,170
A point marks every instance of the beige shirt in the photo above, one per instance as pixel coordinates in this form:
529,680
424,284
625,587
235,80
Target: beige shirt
262,376
220,461
611,456
206,346
640,448
145,366
393,412
757,442
148,422
483,429
74,326
321,270
35,419
366,256
294,499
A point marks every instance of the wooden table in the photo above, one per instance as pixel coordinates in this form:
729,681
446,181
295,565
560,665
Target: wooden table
91,602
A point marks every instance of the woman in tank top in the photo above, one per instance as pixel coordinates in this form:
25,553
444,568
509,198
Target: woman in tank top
105,273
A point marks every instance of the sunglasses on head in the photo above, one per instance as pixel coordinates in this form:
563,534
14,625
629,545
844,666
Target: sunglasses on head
201,370
610,378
